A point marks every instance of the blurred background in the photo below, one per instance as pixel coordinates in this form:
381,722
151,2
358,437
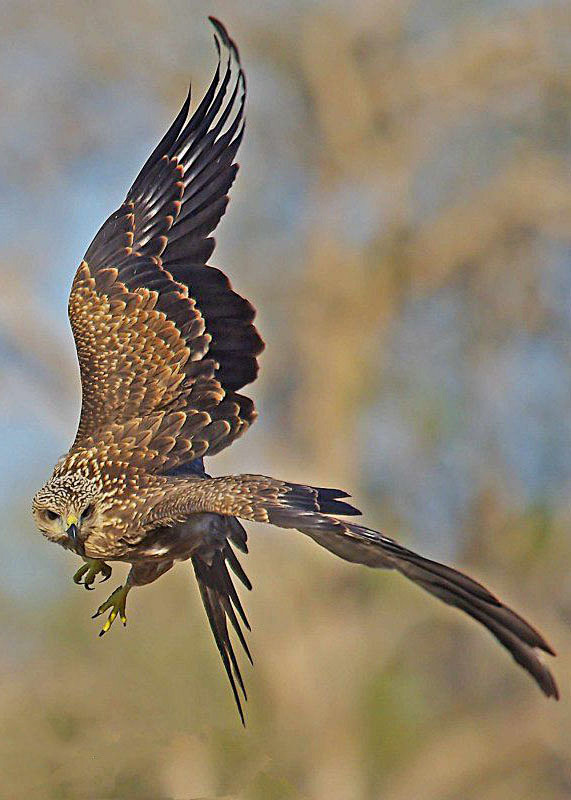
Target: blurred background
402,220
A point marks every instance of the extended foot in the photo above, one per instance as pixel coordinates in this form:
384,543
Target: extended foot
116,602
90,570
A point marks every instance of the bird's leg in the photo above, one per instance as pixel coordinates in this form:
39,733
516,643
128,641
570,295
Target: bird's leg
117,602
139,574
89,571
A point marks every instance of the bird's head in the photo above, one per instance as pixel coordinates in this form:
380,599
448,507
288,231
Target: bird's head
67,509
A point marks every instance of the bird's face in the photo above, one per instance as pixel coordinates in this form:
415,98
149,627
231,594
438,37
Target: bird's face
67,511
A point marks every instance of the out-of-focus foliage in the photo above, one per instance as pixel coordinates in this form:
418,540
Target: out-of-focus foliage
403,221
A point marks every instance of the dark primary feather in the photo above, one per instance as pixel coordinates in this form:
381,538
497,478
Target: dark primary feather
164,346
365,546
306,508
158,242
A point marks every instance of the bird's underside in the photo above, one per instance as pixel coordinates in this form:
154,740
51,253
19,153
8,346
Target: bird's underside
165,347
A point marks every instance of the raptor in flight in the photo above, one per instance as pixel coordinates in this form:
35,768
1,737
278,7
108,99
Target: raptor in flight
165,347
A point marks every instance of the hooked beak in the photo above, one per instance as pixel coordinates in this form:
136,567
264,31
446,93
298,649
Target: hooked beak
72,531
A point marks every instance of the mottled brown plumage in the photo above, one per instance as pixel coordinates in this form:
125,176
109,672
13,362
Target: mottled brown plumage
164,346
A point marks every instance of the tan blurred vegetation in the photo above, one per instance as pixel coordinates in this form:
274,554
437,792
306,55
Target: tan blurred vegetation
363,686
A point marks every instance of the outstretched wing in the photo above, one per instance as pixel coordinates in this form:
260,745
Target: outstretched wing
289,505
156,329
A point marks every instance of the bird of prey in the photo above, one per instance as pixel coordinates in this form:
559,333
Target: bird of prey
165,346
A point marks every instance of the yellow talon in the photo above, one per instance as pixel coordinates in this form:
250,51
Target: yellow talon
108,623
116,602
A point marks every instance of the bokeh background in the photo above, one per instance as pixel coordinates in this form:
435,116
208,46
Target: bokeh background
402,220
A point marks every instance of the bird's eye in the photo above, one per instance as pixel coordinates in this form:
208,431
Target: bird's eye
51,514
88,511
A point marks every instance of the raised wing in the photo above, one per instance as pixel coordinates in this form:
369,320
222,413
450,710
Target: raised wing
156,329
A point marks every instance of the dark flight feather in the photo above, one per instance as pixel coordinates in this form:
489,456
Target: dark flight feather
152,252
306,508
164,346
221,603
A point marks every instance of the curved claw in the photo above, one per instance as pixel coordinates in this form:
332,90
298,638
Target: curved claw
89,571
80,573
